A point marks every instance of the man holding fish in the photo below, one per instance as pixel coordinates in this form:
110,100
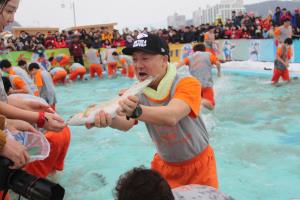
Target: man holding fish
170,107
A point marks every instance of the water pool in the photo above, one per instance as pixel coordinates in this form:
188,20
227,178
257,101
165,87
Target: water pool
254,130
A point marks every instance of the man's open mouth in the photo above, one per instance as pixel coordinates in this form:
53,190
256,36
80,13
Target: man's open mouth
143,75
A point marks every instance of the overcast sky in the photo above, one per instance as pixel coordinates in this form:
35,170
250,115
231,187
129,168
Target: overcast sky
127,13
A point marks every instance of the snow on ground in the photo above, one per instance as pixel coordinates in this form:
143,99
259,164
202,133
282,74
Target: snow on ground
258,66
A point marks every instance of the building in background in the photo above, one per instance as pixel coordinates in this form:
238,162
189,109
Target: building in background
110,27
266,7
16,31
222,10
176,21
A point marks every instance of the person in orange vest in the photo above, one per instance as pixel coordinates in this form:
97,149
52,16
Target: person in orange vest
62,60
126,63
44,82
21,70
76,70
283,32
93,57
209,39
59,75
200,65
112,64
281,63
18,84
170,108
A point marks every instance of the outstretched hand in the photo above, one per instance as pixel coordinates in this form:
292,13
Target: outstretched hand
54,122
102,120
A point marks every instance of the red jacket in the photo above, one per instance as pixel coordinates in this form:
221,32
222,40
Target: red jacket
76,49
61,44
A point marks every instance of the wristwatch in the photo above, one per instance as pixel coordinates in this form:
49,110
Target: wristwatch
136,113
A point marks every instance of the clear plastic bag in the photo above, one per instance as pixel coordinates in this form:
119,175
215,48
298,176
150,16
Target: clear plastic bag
37,145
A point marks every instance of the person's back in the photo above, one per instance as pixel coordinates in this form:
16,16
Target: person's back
24,75
92,56
209,38
283,32
48,91
75,66
200,66
62,60
58,74
56,69
76,70
19,84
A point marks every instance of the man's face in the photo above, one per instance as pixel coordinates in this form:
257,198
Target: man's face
8,13
33,72
146,64
7,70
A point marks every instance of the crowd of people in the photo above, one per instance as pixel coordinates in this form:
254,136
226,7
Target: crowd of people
240,26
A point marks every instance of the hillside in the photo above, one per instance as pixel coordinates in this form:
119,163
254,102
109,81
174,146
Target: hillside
264,7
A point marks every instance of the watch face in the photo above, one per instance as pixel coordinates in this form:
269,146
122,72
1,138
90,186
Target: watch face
137,112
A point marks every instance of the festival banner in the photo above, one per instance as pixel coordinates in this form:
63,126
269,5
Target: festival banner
256,50
297,51
267,50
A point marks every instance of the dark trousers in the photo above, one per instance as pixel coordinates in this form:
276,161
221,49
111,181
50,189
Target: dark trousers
78,59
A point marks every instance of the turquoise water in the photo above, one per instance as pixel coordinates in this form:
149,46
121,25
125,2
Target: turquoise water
254,130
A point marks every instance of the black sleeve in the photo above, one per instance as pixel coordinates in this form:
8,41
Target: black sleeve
7,84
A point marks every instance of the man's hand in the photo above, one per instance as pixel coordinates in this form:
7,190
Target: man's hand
127,106
122,91
287,64
102,120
